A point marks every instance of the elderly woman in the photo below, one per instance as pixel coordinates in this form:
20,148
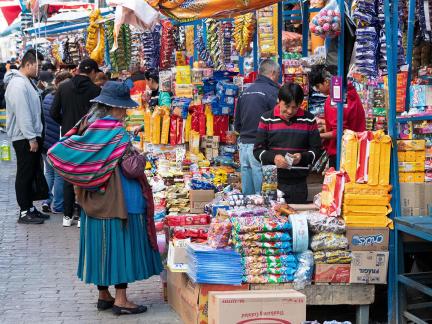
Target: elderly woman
118,238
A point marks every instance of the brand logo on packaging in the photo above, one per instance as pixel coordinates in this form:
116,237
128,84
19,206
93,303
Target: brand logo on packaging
367,240
369,271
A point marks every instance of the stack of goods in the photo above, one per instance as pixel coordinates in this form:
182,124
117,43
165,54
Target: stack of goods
189,41
291,42
366,159
293,71
167,45
270,183
214,266
400,90
200,46
94,31
244,29
265,244
224,102
121,57
210,145
151,51
189,227
227,37
327,22
412,161
267,31
137,49
420,99
66,55
330,248
214,42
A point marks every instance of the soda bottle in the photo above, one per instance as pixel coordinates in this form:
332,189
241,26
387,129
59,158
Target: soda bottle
5,151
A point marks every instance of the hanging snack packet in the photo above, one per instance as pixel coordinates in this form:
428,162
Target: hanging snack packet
364,140
332,192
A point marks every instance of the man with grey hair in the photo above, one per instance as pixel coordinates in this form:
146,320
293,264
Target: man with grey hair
258,98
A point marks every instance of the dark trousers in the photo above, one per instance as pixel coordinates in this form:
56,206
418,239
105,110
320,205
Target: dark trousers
332,161
28,164
295,193
68,199
119,286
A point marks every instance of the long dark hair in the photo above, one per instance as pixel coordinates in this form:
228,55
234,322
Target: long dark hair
152,75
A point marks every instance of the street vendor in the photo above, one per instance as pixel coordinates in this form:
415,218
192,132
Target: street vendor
354,113
288,137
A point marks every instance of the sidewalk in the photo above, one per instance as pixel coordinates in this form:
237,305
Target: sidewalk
38,282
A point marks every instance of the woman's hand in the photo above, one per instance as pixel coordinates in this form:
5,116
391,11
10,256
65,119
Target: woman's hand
138,130
281,162
297,158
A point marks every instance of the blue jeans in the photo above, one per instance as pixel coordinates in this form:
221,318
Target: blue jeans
55,185
251,172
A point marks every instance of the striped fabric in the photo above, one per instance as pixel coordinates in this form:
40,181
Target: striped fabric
87,160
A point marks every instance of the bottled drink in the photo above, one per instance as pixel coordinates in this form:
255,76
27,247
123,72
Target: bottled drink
5,151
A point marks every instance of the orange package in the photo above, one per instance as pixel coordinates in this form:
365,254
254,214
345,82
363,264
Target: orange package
332,192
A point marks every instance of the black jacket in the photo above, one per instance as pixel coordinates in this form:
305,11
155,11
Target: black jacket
258,98
52,129
72,101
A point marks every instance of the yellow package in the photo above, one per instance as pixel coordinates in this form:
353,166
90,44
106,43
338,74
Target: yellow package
165,125
188,126
374,159
147,125
410,156
194,142
402,177
411,145
419,177
365,189
371,222
384,160
420,156
401,156
367,200
156,126
190,47
349,153
183,74
209,120
411,166
366,210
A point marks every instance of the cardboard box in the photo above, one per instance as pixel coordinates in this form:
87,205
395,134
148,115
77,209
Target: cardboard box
411,145
413,195
189,300
200,198
420,156
369,267
411,211
401,156
410,156
411,166
259,306
368,239
332,273
177,254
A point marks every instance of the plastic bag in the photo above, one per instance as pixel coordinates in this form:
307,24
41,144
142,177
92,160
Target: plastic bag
328,241
219,233
319,223
303,275
327,22
333,257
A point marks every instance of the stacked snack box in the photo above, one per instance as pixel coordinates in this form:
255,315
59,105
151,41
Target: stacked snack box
412,161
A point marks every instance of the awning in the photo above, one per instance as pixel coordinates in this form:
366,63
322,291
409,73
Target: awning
10,10
189,10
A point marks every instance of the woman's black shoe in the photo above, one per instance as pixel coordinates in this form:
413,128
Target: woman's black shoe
117,310
104,304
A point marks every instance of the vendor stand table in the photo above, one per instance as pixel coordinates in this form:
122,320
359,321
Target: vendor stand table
421,228
360,295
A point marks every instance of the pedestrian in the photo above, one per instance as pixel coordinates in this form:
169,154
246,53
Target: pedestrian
118,238
289,129
101,79
24,126
71,103
54,203
258,98
354,114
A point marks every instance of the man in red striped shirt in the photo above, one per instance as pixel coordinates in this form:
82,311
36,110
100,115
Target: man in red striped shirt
289,129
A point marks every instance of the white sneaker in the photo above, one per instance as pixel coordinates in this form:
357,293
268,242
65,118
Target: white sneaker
67,221
79,223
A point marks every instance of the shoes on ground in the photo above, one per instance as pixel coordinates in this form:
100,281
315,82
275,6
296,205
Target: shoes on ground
104,304
117,310
46,208
57,211
29,217
67,221
41,215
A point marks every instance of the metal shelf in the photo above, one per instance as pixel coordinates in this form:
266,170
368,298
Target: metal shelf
419,281
413,118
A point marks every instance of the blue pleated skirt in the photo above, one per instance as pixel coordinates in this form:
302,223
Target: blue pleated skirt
114,252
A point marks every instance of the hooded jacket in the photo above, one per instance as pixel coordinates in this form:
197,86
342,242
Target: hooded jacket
354,117
72,101
52,129
258,98
23,106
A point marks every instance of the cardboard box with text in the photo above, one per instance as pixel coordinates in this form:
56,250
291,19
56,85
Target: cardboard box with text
369,267
368,239
332,273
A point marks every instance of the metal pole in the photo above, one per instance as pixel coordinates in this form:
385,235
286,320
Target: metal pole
340,105
305,28
280,31
255,49
410,43
391,29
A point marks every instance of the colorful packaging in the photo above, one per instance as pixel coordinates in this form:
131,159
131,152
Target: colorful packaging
332,192
156,126
349,153
385,155
364,140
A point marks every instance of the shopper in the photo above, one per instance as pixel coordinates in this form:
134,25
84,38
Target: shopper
256,100
25,128
71,103
354,113
54,203
155,97
118,238
289,129
101,79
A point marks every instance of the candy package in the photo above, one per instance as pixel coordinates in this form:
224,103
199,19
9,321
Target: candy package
267,278
275,271
166,81
261,224
219,233
264,237
332,192
303,275
319,223
183,220
167,44
333,257
328,241
259,261
327,22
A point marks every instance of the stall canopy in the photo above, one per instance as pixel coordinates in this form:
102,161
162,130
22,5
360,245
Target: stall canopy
189,10
10,10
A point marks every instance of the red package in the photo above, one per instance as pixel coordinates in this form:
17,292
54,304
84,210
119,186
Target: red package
364,140
159,226
332,192
173,130
195,234
183,220
167,44
220,127
198,123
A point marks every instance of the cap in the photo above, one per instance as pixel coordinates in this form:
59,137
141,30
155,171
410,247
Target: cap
88,65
